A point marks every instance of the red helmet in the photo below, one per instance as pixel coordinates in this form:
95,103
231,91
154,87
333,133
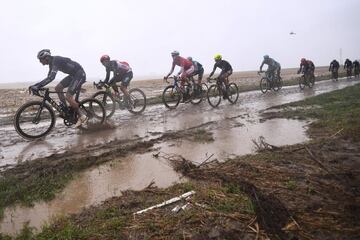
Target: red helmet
303,60
104,58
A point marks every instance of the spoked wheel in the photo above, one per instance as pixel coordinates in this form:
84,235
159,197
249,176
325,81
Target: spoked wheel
137,101
108,102
34,119
214,95
264,85
94,111
171,97
302,82
233,93
311,81
278,84
197,94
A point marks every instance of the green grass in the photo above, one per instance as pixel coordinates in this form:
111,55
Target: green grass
335,111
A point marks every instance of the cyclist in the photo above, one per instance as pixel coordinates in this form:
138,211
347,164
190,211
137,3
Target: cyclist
226,69
334,67
273,67
198,69
307,67
348,65
356,65
122,72
76,77
187,67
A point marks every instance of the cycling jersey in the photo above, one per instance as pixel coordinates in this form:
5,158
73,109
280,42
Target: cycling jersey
272,64
334,65
65,65
197,66
348,64
308,65
118,68
223,65
182,62
356,64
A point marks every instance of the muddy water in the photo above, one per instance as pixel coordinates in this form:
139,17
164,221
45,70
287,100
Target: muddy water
233,128
92,187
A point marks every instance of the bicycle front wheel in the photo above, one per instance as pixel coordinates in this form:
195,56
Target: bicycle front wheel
137,102
171,97
233,93
264,85
93,110
197,94
34,120
302,82
214,95
107,101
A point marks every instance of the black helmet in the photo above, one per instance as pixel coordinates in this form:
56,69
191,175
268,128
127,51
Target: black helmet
43,53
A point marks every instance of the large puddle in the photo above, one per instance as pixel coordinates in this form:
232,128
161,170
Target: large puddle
231,137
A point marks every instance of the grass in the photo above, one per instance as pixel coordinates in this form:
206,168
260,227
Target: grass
335,111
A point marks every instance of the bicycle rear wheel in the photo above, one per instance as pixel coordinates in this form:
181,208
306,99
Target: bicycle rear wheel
233,93
94,111
214,95
264,85
171,97
278,84
107,101
311,81
34,120
137,102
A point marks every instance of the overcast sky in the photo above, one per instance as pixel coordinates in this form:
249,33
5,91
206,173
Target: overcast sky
144,32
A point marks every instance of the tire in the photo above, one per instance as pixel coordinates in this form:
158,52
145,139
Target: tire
26,115
138,101
94,110
233,93
311,81
108,102
197,94
278,84
214,95
302,82
264,85
171,97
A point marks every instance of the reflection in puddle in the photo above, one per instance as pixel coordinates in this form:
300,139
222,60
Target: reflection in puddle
234,141
92,187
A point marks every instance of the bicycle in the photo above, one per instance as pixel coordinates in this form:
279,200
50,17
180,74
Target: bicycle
269,82
35,119
356,72
136,104
218,90
173,93
307,79
334,74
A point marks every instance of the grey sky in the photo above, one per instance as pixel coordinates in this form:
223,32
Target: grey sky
144,32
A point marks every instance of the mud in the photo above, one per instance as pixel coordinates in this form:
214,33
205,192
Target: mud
207,131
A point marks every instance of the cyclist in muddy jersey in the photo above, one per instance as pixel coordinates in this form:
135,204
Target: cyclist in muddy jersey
273,66
334,66
356,64
76,77
122,72
226,69
187,67
348,64
306,66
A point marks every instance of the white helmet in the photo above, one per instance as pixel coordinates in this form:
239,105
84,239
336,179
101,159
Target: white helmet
43,53
175,53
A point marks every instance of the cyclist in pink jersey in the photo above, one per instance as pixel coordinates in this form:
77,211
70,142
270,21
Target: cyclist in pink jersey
187,67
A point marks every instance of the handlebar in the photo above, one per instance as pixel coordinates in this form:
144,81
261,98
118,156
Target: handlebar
100,84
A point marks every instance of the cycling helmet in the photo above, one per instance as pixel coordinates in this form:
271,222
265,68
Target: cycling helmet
43,53
104,58
266,57
217,57
303,60
175,53
189,58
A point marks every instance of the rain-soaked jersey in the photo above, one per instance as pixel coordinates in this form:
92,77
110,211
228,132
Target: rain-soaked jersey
118,68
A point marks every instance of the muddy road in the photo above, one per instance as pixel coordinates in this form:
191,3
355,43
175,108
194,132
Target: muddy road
232,128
